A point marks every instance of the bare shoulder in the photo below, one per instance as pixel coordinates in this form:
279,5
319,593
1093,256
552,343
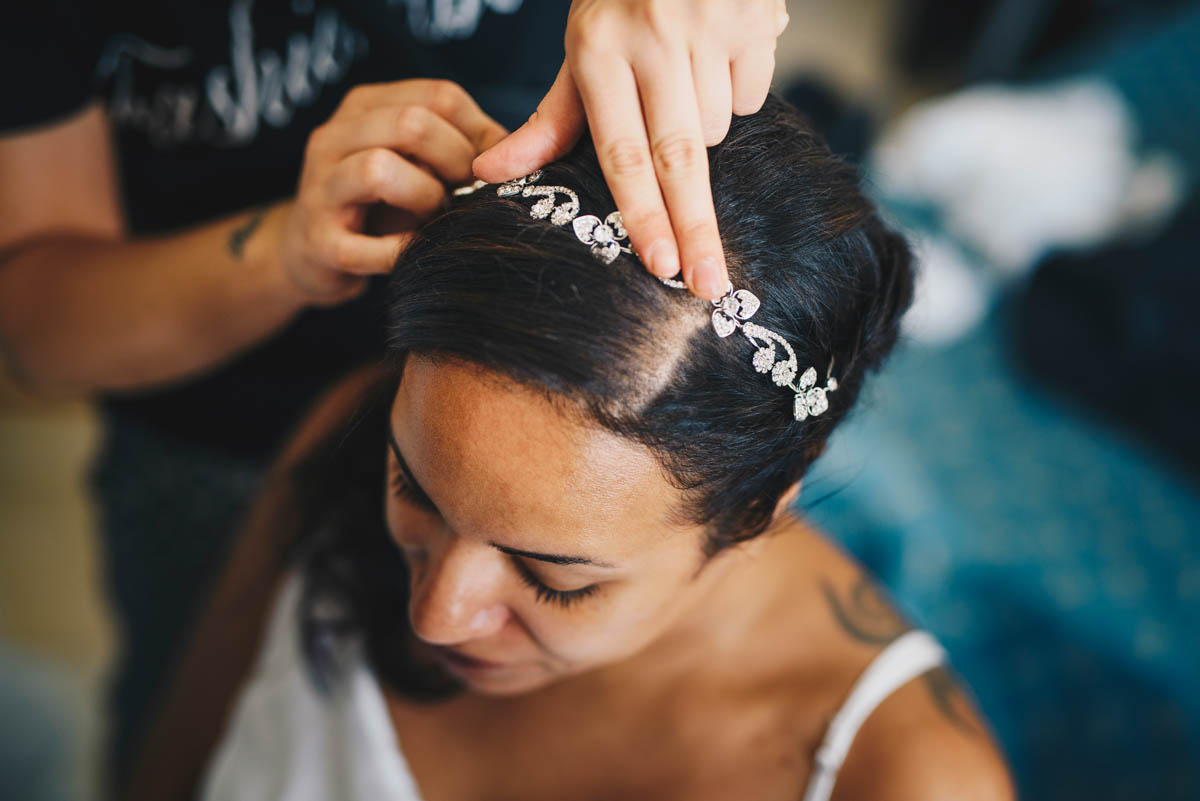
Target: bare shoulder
926,741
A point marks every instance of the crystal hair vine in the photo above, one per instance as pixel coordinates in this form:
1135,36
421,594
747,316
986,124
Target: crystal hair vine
608,239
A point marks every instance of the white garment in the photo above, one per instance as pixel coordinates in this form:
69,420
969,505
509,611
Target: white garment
289,741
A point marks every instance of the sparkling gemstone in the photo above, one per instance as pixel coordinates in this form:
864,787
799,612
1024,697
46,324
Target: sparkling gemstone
617,224
747,303
603,234
808,379
506,190
722,323
585,226
764,358
831,384
816,401
800,408
542,208
561,216
730,305
606,253
783,373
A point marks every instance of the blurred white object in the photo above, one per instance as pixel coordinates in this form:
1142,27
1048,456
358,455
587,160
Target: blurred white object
950,296
1016,172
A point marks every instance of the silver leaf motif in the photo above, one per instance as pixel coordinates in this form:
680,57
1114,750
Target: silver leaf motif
606,252
800,408
559,213
617,224
816,401
740,304
809,378
748,304
585,226
722,323
513,187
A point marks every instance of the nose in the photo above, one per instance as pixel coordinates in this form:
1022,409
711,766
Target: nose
457,597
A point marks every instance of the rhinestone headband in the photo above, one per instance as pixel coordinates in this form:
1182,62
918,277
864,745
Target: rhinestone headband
608,239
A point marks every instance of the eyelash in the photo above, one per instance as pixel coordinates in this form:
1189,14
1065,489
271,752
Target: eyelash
403,490
564,598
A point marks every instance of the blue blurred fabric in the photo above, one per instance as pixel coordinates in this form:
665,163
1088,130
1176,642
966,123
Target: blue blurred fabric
1058,560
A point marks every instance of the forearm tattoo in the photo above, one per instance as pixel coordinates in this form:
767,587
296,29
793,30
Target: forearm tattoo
866,613
239,235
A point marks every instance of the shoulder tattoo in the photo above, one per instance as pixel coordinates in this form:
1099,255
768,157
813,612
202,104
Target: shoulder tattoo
866,613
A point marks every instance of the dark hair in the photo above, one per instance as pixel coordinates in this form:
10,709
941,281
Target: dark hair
485,283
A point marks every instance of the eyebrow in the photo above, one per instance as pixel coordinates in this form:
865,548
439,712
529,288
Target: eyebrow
423,499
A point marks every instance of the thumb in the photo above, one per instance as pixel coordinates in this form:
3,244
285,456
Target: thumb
550,133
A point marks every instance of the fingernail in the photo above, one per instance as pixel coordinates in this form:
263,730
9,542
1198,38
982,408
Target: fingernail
664,261
706,279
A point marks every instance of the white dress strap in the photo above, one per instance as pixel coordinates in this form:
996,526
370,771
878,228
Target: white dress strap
908,656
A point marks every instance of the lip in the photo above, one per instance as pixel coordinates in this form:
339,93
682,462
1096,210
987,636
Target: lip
459,661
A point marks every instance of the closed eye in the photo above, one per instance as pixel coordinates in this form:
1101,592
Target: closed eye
404,490
542,592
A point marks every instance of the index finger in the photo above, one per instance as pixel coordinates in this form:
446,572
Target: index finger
623,151
657,166
676,134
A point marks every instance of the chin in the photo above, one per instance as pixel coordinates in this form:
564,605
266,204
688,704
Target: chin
497,679
502,684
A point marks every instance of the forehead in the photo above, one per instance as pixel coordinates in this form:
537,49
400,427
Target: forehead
505,463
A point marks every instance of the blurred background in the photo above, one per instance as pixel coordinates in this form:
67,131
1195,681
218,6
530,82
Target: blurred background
1024,476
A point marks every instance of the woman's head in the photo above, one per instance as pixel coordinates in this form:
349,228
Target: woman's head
535,539
548,403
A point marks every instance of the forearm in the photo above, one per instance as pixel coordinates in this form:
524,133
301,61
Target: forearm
81,314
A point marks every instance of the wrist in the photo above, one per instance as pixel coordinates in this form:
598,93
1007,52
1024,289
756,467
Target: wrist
263,250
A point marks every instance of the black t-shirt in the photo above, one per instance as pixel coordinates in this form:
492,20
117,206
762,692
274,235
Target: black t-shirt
212,104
